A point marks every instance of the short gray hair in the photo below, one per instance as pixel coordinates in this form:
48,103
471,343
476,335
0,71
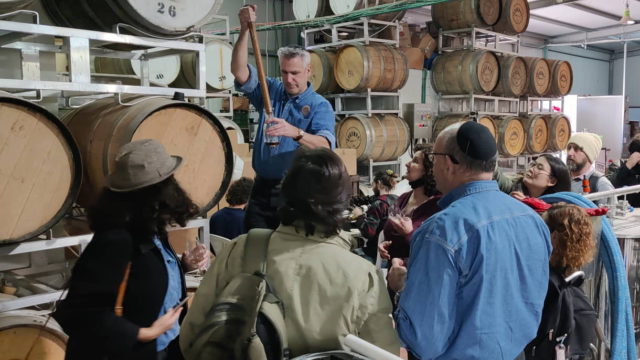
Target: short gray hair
292,52
448,137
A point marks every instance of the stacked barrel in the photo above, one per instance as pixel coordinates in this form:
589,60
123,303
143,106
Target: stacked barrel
483,72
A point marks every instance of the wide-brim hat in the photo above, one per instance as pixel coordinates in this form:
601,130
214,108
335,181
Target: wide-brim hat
141,163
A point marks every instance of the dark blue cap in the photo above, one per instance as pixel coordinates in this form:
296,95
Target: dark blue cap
476,141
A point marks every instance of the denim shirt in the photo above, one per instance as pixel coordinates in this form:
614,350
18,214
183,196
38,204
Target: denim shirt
174,292
477,277
308,111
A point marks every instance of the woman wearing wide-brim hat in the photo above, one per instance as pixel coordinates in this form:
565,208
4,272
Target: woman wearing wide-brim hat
126,285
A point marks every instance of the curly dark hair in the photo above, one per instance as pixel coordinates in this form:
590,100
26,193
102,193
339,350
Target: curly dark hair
571,236
144,212
316,191
239,191
387,178
429,180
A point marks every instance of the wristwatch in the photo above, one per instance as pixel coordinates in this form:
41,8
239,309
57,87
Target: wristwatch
300,135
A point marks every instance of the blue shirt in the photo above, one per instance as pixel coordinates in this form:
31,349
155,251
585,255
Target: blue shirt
308,111
228,222
477,277
173,295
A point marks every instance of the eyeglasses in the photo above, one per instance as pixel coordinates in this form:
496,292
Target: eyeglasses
538,167
432,156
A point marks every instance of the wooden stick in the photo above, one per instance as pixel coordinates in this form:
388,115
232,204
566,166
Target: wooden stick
261,75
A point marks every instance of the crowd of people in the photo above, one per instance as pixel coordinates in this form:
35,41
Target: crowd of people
469,262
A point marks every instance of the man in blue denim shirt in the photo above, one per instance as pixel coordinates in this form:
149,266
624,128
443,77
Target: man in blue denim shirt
301,117
478,271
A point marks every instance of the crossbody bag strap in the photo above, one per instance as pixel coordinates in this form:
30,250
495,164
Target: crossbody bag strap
255,251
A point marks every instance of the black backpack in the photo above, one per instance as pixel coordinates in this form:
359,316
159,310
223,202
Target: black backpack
568,322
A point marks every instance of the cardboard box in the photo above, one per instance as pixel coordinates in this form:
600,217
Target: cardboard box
415,58
349,157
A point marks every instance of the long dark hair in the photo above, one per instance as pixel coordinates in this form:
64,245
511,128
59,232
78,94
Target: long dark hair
316,192
428,179
145,212
559,171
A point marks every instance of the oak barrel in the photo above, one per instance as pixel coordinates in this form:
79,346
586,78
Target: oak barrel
322,78
185,129
512,137
218,74
24,336
162,70
379,137
539,74
462,14
514,17
559,132
40,169
561,78
513,77
464,72
162,17
340,7
378,67
442,122
537,134
310,9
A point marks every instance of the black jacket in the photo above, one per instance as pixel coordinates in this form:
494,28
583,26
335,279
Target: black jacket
626,177
87,315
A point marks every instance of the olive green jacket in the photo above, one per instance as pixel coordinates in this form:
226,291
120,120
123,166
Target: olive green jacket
327,292
507,183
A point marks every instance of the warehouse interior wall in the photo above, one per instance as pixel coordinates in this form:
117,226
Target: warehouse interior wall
632,84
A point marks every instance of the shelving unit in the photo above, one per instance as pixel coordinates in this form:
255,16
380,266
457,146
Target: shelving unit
539,105
477,104
364,31
478,39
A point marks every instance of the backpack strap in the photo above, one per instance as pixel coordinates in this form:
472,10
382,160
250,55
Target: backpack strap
255,251
593,181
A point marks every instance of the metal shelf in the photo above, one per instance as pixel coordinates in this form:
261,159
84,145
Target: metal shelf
366,31
79,46
475,39
368,106
473,104
540,105
371,164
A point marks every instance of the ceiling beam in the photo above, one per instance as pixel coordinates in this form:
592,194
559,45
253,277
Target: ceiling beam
600,33
546,3
559,23
593,11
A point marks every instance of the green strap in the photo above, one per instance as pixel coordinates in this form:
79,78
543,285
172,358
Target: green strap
255,251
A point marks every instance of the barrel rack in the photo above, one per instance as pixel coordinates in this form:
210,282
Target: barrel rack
478,39
362,31
75,88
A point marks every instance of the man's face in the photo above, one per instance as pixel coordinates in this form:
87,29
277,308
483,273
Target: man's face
294,75
576,158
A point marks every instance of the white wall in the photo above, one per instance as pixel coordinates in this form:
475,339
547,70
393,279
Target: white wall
632,83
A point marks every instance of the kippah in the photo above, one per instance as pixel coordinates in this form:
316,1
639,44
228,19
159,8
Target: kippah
476,141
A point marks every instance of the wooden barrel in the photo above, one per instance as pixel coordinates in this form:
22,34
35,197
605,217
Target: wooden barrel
40,169
101,128
537,134
163,70
561,78
379,137
559,132
378,67
310,9
340,7
442,122
539,74
218,74
464,72
322,64
514,17
24,336
158,17
513,77
512,137
462,14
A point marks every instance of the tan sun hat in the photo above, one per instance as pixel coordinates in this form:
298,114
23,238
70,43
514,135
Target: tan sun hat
141,163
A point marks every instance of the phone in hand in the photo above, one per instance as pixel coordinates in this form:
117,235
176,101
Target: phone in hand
183,301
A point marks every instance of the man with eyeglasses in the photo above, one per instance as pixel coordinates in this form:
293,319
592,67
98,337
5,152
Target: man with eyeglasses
582,152
478,274
301,117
